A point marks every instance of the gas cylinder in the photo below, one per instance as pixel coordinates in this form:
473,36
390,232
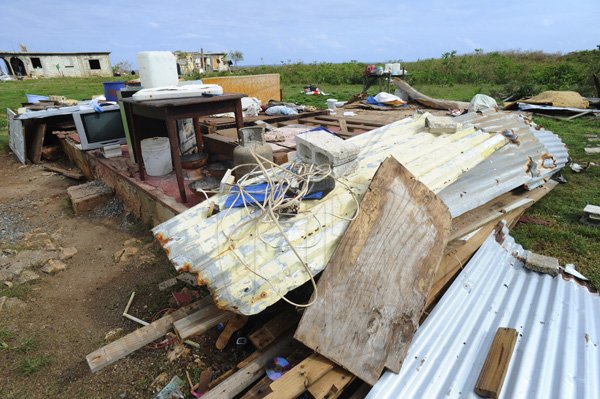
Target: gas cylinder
252,141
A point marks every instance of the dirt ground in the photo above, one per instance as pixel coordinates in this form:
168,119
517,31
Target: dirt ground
49,325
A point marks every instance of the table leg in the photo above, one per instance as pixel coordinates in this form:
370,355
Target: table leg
239,115
176,155
135,142
198,132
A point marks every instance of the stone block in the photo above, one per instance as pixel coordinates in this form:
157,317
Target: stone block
87,196
442,124
320,148
542,264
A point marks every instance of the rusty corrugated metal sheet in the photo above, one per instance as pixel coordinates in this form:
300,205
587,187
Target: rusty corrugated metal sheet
200,245
558,320
264,87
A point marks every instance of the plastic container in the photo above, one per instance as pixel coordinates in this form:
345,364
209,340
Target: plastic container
157,69
111,89
34,98
156,152
387,68
396,68
252,141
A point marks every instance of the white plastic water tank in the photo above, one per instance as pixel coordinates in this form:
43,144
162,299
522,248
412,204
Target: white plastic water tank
156,152
157,69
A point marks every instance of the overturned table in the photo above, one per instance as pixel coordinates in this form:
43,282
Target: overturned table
172,110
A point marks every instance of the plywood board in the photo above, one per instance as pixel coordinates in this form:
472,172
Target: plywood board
372,293
264,87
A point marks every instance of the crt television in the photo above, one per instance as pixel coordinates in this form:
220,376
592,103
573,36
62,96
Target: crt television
99,129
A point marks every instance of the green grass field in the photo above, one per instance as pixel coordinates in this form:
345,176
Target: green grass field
565,238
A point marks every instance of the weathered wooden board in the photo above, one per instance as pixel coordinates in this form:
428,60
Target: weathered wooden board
490,381
372,293
332,384
303,375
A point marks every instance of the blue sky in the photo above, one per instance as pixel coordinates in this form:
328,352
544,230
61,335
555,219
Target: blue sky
274,31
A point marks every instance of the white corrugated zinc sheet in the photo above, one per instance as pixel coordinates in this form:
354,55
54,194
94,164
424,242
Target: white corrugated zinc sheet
556,355
505,169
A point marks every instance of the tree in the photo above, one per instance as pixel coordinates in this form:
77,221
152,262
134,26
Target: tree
236,56
122,68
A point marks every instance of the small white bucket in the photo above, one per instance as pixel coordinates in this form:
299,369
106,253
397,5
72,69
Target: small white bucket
156,152
331,103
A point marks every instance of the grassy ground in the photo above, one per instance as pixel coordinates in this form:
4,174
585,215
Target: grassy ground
12,93
565,238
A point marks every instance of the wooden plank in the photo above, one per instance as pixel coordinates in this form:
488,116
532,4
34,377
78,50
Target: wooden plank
122,347
493,210
199,322
238,381
332,384
75,174
273,329
295,381
490,381
372,292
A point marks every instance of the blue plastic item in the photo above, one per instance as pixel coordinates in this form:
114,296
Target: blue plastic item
111,89
255,194
34,98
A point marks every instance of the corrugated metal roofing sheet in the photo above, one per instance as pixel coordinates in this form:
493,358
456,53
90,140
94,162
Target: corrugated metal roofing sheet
508,168
199,245
558,321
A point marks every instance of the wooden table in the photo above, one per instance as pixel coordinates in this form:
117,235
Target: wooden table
172,110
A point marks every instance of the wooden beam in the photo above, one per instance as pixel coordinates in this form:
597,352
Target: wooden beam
37,141
241,379
490,381
273,329
201,321
234,324
122,347
373,290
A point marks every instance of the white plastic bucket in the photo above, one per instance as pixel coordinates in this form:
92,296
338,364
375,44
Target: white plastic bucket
396,68
157,69
156,152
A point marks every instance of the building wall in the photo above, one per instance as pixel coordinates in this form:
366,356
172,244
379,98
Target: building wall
76,65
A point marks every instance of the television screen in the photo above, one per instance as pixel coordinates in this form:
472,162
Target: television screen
102,126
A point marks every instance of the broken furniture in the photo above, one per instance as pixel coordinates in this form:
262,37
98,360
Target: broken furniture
172,110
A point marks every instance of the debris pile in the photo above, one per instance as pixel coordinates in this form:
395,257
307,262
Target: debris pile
389,237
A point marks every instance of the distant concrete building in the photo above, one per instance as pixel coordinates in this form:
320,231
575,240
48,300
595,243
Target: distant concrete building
53,65
189,62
